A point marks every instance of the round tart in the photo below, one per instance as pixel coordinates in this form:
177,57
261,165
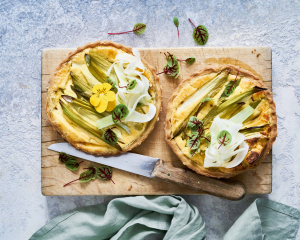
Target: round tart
221,121
104,99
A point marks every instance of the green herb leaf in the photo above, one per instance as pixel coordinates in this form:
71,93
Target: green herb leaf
200,35
190,60
139,28
224,138
72,165
176,22
113,85
193,142
230,88
206,100
171,71
104,173
131,85
119,113
194,123
172,67
110,137
171,59
63,157
193,152
86,176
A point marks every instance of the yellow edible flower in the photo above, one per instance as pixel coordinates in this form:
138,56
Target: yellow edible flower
103,99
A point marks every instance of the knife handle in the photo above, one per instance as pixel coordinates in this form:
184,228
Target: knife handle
228,190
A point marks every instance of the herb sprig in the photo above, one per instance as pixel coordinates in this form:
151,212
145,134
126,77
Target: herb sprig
171,69
103,173
196,126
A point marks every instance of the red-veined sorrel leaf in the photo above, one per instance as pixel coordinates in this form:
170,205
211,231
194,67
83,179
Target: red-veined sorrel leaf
224,138
109,136
138,28
193,152
193,142
231,86
190,60
171,69
72,165
131,85
119,113
104,173
85,176
171,59
200,34
63,157
176,22
113,85
194,123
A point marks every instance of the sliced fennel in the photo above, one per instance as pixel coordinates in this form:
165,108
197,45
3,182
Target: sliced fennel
220,156
138,117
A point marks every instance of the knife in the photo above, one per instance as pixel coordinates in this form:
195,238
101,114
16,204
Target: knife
158,169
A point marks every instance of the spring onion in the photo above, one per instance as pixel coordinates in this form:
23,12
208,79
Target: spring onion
205,90
242,115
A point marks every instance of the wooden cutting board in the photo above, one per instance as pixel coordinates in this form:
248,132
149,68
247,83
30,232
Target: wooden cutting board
55,175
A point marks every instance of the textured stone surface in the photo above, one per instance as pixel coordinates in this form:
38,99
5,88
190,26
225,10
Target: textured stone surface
27,28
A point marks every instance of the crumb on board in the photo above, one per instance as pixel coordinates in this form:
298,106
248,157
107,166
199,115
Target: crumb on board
130,188
257,55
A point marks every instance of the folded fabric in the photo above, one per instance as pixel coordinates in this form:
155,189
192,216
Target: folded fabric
265,220
127,218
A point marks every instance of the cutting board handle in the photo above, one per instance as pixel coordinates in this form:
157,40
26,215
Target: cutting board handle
228,190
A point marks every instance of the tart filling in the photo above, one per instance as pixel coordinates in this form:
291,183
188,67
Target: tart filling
104,99
221,121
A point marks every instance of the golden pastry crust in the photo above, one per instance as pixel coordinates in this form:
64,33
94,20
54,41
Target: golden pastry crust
259,148
78,137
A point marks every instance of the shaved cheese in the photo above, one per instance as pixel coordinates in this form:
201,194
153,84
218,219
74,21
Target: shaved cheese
220,156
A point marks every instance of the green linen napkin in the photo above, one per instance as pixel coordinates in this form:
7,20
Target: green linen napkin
265,220
127,218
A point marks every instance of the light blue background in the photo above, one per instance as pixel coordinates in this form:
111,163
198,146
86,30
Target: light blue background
27,27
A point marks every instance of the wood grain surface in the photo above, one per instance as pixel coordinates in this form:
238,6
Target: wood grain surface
55,175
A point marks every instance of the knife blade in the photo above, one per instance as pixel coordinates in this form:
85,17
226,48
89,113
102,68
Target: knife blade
158,169
130,162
